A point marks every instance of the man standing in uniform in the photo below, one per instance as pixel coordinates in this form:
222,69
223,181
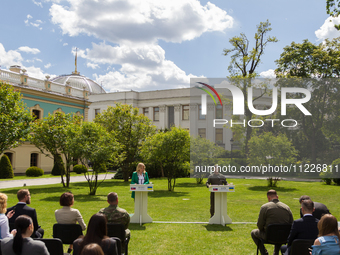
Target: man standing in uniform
116,214
270,213
214,179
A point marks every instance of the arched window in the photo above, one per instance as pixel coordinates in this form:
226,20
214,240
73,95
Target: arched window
37,112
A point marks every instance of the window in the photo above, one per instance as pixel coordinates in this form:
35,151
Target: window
10,157
156,114
146,111
219,112
200,116
34,159
219,135
202,132
96,112
185,112
36,114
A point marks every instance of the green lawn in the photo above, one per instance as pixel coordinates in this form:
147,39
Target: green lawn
189,203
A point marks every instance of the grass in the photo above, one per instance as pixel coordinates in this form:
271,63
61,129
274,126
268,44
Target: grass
188,203
23,176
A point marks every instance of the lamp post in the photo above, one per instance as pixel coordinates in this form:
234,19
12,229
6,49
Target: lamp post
231,148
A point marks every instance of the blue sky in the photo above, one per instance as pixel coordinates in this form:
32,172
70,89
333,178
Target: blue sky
149,44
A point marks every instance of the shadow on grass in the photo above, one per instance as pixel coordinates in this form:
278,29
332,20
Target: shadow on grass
136,226
78,198
266,188
189,185
215,227
166,193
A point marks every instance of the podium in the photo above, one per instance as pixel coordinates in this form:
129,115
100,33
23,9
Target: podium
141,203
221,216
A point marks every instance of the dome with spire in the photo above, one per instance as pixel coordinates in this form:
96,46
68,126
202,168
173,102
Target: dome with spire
76,80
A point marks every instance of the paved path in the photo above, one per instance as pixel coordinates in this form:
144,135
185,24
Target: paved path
45,181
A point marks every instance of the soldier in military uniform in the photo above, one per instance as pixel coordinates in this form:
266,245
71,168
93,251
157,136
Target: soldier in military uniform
116,214
215,179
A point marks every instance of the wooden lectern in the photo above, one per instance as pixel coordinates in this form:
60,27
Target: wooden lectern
141,203
221,216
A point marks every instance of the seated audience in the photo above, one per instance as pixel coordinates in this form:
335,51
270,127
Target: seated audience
22,243
96,233
328,240
68,215
320,209
21,208
4,227
92,249
303,228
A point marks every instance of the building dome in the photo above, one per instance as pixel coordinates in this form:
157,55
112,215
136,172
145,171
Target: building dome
80,82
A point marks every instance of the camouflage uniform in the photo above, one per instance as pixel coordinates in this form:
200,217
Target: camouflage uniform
115,214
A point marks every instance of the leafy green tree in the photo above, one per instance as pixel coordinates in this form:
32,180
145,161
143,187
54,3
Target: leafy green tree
268,149
6,170
52,135
333,9
94,144
243,64
58,167
15,118
318,63
203,152
130,129
171,150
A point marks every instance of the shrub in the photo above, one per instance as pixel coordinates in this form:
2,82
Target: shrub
34,171
119,174
335,165
80,169
6,170
58,167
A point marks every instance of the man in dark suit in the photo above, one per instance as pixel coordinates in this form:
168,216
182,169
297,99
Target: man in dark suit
21,208
320,209
303,228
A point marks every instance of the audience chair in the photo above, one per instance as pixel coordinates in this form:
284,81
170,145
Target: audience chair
0,248
67,233
119,244
300,246
276,234
118,230
53,245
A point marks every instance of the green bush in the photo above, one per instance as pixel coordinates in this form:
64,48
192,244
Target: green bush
58,167
6,170
335,165
34,171
119,174
80,169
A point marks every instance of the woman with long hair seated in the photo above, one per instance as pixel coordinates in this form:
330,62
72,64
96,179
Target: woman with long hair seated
96,233
92,249
22,243
4,226
328,241
68,215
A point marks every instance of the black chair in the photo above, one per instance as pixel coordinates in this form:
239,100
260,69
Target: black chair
0,248
11,226
276,234
118,230
119,244
300,246
67,233
53,245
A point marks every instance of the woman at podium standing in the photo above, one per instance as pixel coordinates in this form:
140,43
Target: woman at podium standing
140,176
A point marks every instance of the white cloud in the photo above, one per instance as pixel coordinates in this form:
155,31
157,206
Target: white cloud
29,16
140,21
142,67
47,65
9,58
269,74
93,66
29,50
327,30
37,3
65,44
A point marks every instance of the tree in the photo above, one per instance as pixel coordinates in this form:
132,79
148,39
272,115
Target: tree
333,9
52,135
318,63
94,144
6,170
15,118
130,130
172,150
203,152
243,64
268,149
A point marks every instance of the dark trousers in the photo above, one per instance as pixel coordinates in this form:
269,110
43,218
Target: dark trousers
212,204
